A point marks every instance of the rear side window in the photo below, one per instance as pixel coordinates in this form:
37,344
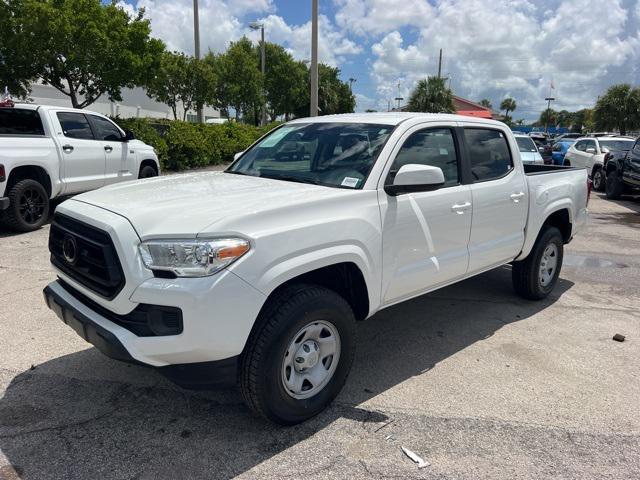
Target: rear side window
105,130
489,153
75,125
433,147
17,121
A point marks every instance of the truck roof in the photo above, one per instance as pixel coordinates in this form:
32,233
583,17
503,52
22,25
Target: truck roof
393,118
34,106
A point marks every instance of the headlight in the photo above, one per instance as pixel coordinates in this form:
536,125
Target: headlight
192,258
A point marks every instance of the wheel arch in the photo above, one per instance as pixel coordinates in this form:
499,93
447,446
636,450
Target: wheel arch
558,215
149,162
32,172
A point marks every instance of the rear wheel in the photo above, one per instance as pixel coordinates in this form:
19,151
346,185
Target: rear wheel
536,276
614,186
147,172
28,206
598,180
298,359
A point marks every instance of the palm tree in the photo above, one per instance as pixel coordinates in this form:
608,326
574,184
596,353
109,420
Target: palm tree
431,95
508,105
486,103
618,109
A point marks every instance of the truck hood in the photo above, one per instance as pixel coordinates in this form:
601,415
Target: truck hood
189,204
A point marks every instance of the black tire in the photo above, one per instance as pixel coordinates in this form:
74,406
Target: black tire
261,364
598,180
147,172
526,274
614,186
28,206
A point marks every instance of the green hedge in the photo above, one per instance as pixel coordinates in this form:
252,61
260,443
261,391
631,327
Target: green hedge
182,145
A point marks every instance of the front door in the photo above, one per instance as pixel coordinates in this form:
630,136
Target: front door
82,155
425,234
499,195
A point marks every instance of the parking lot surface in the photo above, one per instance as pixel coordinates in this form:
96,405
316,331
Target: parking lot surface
478,382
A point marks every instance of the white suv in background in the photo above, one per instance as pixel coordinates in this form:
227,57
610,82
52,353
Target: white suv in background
589,153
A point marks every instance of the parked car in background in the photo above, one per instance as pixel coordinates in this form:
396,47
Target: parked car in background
258,274
48,152
216,121
589,153
544,145
528,149
559,150
622,171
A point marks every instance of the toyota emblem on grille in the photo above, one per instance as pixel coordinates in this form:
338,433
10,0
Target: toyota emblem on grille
69,249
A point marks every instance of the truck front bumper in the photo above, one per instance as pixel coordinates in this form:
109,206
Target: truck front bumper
4,203
201,356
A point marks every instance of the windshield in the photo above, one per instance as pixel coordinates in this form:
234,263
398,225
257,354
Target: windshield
525,144
331,154
616,145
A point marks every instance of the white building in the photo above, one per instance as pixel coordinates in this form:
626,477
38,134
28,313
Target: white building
135,103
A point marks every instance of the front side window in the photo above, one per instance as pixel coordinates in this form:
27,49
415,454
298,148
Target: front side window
489,153
581,145
433,147
105,130
75,125
18,121
331,154
589,144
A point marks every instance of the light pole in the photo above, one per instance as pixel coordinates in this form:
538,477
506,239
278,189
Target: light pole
351,80
263,56
313,107
546,123
196,40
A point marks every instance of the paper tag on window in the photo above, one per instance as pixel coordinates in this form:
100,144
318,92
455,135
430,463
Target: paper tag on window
350,182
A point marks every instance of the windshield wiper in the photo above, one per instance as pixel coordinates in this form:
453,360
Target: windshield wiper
293,178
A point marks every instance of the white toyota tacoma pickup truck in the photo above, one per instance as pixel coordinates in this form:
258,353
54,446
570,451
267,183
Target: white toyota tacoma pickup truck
259,273
49,152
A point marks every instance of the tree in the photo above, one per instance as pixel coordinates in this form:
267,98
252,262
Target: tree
285,81
83,48
334,95
618,109
486,103
508,105
239,80
548,117
431,95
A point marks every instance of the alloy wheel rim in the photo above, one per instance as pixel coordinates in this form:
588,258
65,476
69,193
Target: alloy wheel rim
31,206
548,264
311,359
597,180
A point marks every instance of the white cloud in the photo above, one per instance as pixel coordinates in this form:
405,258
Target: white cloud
367,17
498,48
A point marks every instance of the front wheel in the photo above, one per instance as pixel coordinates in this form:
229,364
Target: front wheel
614,186
598,180
536,276
298,359
147,172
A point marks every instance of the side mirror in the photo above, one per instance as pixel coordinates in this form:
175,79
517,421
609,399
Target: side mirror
237,156
590,150
128,136
414,177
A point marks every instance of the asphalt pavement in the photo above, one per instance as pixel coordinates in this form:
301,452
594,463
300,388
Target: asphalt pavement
476,381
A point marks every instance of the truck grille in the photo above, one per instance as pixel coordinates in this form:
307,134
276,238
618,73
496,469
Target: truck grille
86,254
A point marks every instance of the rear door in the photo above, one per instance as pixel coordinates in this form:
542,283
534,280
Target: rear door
83,159
499,195
119,160
425,234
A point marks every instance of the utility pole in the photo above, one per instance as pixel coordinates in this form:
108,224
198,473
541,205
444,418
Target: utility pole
263,56
313,107
440,65
196,40
399,98
351,80
546,123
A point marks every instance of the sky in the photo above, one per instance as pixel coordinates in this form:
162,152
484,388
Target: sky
491,48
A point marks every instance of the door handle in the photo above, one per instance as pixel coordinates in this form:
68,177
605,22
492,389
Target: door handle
108,148
516,197
460,208
67,148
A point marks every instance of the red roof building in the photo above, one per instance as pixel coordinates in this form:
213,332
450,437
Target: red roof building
471,109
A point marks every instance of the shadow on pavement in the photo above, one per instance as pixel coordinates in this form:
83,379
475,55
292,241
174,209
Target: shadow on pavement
85,416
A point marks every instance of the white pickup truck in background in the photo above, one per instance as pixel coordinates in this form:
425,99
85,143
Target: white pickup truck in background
259,273
49,152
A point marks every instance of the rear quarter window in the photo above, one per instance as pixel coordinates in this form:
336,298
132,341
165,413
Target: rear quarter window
489,154
18,121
